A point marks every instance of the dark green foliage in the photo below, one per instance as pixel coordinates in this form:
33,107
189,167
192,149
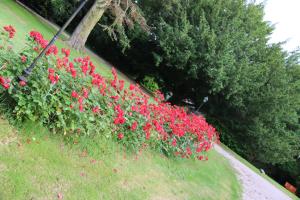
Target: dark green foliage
221,48
57,11
150,83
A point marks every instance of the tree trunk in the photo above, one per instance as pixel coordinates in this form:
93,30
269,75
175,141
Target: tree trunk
83,30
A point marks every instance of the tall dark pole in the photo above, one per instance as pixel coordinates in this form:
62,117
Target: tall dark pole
204,101
28,70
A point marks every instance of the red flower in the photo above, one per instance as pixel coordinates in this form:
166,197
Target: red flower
4,82
121,85
38,38
114,72
73,72
81,108
200,157
119,120
120,136
56,78
188,151
74,94
85,93
102,91
23,59
113,83
131,87
115,97
92,69
80,100
53,78
134,126
36,49
96,109
147,129
22,83
120,115
51,70
52,50
66,52
174,142
11,31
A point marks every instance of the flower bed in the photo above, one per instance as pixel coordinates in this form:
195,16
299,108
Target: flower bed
69,96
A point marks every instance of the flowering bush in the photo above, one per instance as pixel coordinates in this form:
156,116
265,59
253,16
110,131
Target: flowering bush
69,96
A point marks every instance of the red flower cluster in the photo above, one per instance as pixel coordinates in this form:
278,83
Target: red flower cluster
80,99
96,109
52,50
120,115
172,123
113,83
134,126
11,30
52,76
39,39
84,64
120,136
136,118
22,83
147,129
66,52
23,59
74,94
5,83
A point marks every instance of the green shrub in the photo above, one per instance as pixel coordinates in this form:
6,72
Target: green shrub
150,83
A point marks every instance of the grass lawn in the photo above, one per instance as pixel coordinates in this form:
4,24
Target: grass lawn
35,165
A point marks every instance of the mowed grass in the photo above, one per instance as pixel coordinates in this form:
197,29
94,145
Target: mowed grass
36,165
24,22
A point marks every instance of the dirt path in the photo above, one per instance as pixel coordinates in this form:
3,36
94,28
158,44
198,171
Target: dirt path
254,186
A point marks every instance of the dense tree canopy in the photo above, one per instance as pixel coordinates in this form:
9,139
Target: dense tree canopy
221,48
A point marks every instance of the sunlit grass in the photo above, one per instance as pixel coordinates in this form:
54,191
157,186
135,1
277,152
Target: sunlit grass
36,165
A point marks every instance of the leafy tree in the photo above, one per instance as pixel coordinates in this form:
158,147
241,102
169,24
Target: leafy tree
123,12
220,48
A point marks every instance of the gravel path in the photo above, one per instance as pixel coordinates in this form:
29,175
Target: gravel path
254,186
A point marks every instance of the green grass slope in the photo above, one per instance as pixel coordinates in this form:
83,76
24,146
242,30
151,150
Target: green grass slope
35,165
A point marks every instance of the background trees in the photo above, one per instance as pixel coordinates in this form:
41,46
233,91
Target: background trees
220,48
